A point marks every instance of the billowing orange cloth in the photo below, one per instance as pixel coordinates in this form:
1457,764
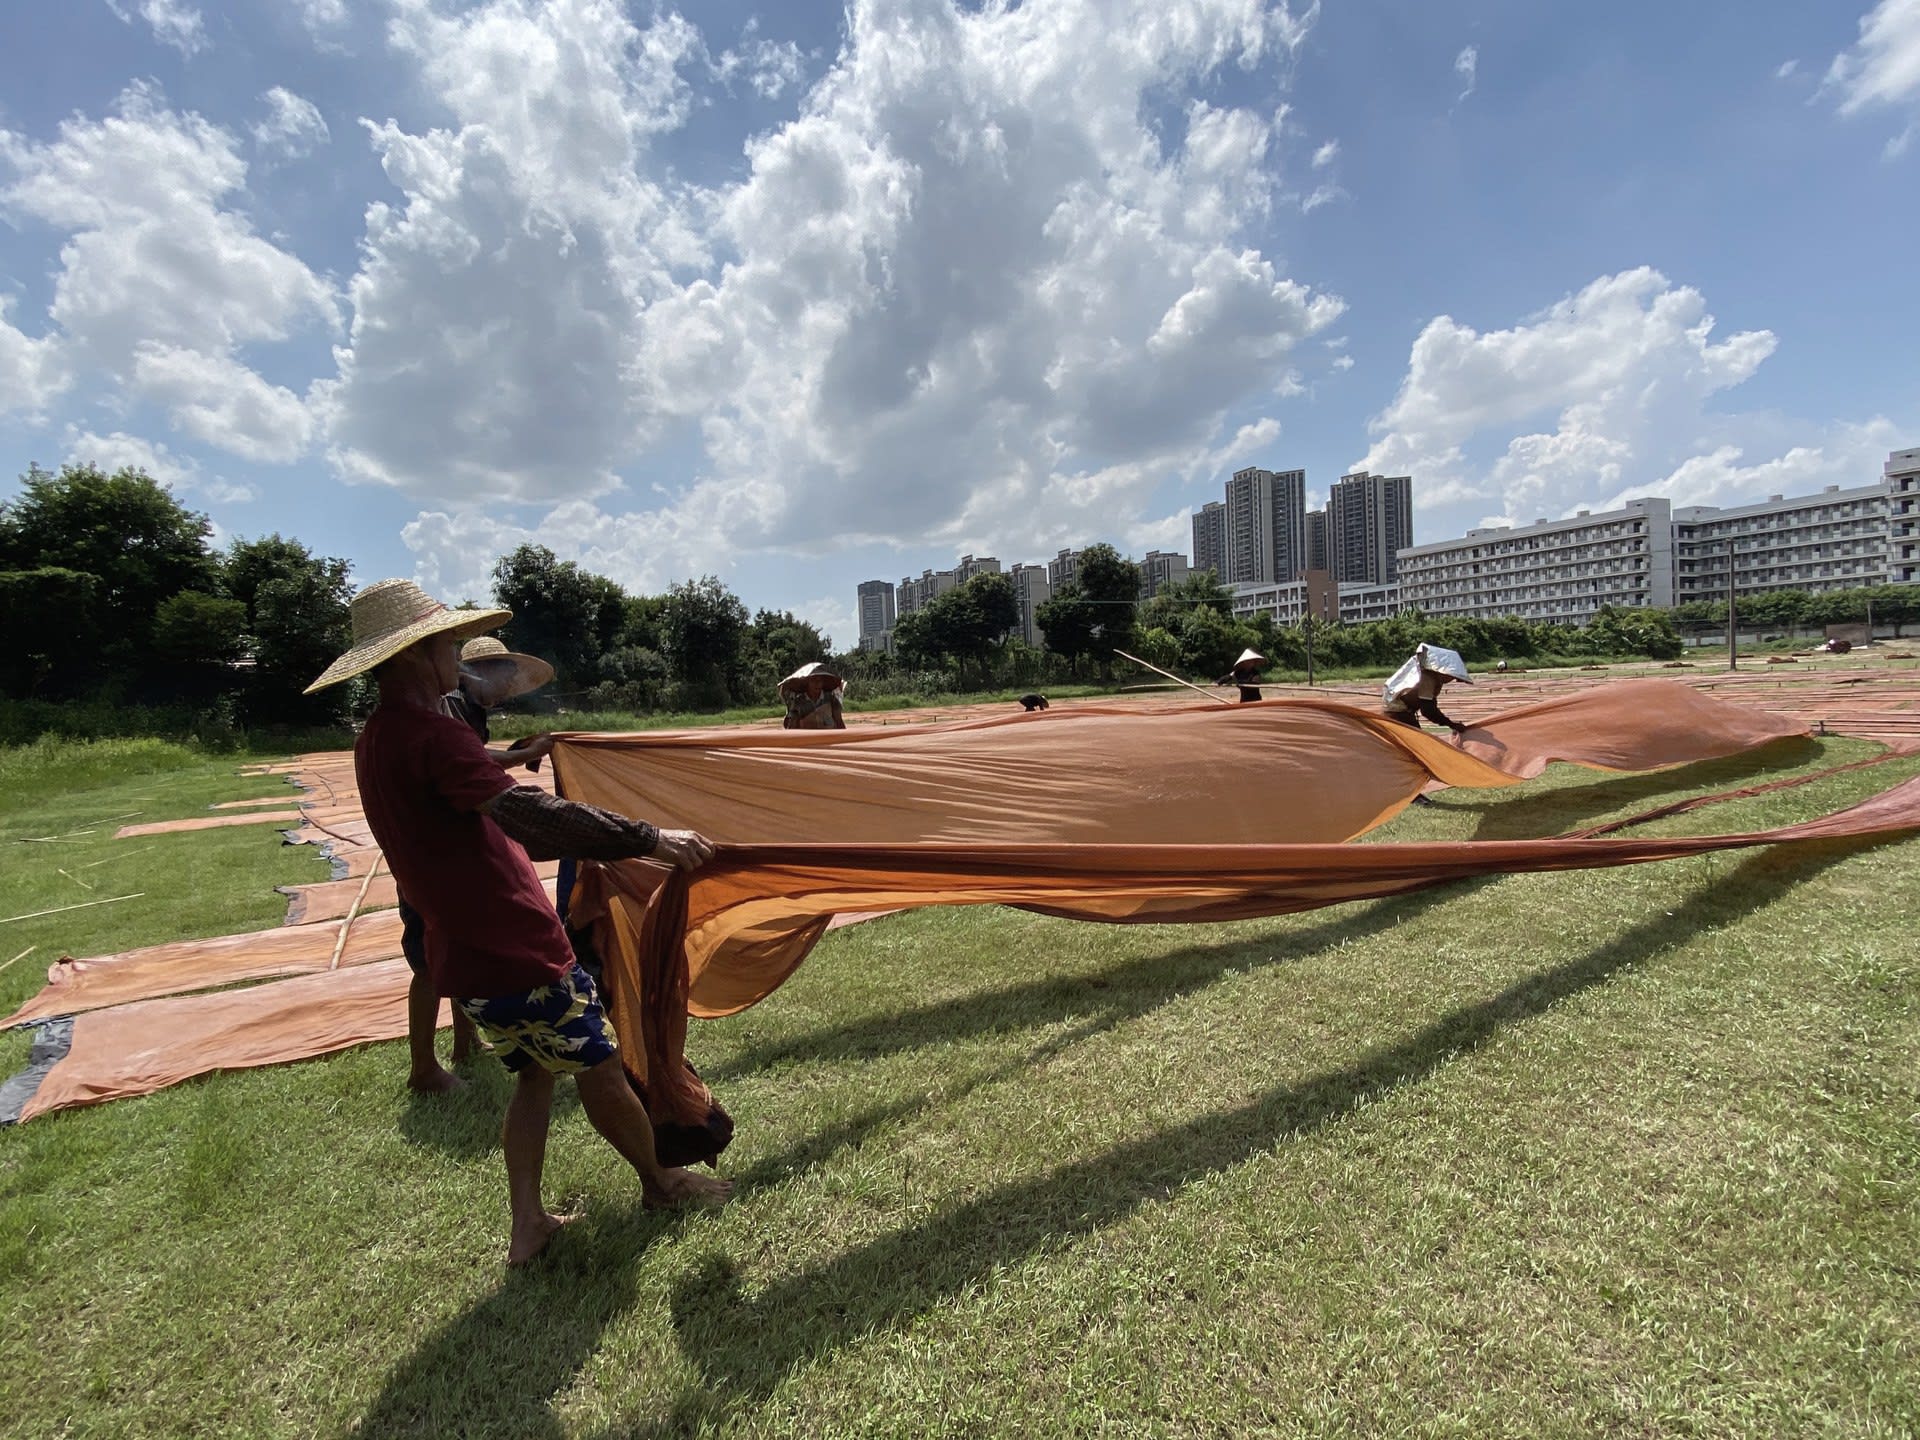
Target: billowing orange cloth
1204,813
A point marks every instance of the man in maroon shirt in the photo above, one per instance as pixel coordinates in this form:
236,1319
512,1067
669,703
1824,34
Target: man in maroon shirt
443,813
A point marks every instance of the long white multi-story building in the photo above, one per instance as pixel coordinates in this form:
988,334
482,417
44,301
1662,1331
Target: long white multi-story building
1289,602
1903,517
1561,570
1836,540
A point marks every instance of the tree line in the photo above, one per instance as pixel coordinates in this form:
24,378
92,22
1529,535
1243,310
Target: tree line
113,596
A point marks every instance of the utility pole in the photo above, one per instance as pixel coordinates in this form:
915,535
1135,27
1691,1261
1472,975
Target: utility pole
1733,653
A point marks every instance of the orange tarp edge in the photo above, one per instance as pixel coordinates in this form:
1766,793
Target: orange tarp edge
137,1049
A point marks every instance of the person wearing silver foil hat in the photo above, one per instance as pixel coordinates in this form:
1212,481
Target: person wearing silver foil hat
1412,692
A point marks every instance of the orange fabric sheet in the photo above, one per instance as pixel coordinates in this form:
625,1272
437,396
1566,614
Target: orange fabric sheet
209,822
137,1049
1093,812
718,941
1197,813
183,966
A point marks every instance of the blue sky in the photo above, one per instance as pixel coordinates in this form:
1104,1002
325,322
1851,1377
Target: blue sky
804,295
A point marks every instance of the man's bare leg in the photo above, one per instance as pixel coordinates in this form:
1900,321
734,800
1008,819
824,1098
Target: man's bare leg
616,1112
425,1073
523,1136
466,1039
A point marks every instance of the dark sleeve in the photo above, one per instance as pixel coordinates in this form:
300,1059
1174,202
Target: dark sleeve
1431,709
461,770
550,828
473,716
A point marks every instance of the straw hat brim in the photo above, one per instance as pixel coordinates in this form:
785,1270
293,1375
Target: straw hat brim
834,682
813,670
465,624
511,675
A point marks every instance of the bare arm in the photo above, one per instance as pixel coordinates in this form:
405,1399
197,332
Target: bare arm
529,752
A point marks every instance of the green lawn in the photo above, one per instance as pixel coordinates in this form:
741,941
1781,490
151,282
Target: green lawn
1630,1152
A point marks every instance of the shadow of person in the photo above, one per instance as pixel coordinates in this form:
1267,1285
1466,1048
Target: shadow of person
1534,814
745,1346
1121,991
494,1369
465,1121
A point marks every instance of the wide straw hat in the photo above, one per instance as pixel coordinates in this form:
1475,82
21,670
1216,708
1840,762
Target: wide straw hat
1249,654
813,669
388,616
507,673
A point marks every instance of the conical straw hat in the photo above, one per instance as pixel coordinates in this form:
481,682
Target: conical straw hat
813,670
507,673
388,616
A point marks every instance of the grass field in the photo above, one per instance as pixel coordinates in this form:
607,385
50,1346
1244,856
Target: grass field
1630,1152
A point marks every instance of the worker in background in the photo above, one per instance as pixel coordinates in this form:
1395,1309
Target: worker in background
812,695
1412,692
1246,674
1032,701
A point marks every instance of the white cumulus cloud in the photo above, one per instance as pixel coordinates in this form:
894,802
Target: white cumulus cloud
493,346
161,278
217,399
32,371
171,21
1623,369
182,473
155,253
968,295
1882,67
293,126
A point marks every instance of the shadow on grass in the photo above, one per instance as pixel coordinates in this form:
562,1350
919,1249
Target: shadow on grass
495,1369
744,1348
466,1122
1117,993
1542,813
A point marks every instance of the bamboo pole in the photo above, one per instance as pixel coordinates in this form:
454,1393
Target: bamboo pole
62,909
353,910
1217,699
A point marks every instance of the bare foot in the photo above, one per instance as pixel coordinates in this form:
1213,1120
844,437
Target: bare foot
676,1189
435,1082
530,1239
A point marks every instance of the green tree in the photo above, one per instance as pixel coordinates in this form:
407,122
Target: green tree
568,616
297,621
702,629
967,623
1895,605
196,629
1171,606
124,529
51,618
1066,620
1110,583
777,643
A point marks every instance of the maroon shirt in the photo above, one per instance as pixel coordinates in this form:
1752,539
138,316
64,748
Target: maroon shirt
490,927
